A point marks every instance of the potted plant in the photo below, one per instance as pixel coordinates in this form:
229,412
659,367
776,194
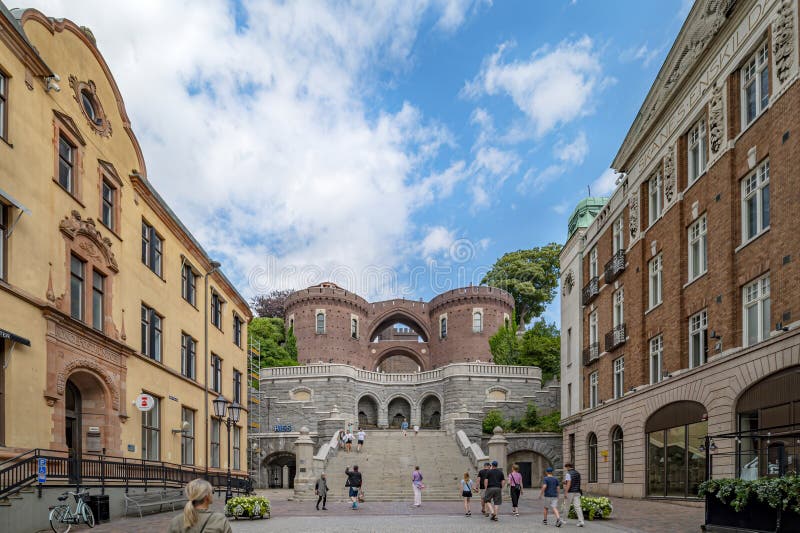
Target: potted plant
248,507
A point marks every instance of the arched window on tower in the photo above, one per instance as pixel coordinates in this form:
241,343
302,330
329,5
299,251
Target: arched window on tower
320,322
354,327
477,321
443,327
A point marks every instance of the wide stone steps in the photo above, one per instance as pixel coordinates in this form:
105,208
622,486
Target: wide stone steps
388,459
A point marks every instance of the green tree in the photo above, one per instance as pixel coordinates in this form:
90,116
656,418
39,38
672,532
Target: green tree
493,419
276,347
531,276
504,344
540,346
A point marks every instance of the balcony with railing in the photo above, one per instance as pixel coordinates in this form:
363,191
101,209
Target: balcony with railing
591,290
615,337
591,353
615,266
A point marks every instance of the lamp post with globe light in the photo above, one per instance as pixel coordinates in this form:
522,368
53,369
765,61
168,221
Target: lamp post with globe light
234,411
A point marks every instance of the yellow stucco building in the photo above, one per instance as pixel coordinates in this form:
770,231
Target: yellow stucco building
104,294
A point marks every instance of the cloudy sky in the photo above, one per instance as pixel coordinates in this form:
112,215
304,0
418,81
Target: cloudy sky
397,148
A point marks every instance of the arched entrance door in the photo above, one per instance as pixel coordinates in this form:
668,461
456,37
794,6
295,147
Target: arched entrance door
399,410
431,412
531,466
367,412
72,426
281,468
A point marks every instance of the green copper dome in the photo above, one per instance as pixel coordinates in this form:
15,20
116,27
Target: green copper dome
584,213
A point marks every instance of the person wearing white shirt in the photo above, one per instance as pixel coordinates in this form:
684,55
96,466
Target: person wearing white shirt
361,436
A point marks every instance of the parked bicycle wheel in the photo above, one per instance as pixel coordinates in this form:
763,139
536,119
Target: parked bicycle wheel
56,517
88,516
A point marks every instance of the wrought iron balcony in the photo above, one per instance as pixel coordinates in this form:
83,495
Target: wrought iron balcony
591,290
615,266
591,353
615,337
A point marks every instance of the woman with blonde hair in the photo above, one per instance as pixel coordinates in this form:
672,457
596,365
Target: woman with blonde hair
196,517
467,488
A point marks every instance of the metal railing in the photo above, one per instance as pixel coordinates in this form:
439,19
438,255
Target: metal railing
591,353
91,470
615,266
615,337
591,290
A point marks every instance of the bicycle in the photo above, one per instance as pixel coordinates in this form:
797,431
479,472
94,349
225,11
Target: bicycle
62,518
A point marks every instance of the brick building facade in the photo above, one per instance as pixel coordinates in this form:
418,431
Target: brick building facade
690,271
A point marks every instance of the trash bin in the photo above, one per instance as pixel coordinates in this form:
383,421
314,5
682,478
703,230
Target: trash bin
99,506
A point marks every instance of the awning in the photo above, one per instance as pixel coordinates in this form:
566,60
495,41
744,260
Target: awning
22,210
14,338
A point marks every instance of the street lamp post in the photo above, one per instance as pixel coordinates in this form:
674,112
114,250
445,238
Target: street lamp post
234,411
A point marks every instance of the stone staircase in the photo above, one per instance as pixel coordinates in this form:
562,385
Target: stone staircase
388,459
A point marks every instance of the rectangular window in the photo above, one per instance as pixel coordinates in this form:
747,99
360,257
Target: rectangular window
216,373
569,399
3,106
66,164
655,281
237,331
755,85
593,333
698,338
619,377
216,310
237,439
593,263
109,201
3,236
215,442
98,292
619,307
618,242
320,322
151,432
593,389
76,287
655,195
698,249
152,246
188,356
237,386
477,321
569,346
698,159
187,436
656,358
189,284
442,327
151,333
755,203
756,311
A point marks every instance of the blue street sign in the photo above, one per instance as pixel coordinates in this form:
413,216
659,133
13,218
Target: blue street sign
42,470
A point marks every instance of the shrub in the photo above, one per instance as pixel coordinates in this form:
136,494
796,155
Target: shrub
247,507
599,507
493,419
783,492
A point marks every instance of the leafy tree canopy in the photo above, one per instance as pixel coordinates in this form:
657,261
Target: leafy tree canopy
531,276
538,346
278,347
272,304
531,421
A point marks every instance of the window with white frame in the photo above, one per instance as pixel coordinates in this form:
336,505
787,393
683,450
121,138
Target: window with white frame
698,158
619,307
756,311
593,336
354,327
619,377
593,389
443,327
320,322
755,85
477,321
618,241
656,358
593,263
655,281
698,248
698,338
655,195
755,202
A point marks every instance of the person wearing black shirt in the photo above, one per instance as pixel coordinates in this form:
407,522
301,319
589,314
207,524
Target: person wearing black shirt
354,481
481,476
493,495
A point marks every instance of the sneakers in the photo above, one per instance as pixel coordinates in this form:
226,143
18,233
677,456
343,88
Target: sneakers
544,521
355,506
559,522
494,518
580,524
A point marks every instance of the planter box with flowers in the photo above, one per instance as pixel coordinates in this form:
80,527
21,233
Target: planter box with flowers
593,508
247,507
765,504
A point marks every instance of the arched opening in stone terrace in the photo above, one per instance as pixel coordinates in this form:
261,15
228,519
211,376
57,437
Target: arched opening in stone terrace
531,466
368,412
399,409
281,468
430,412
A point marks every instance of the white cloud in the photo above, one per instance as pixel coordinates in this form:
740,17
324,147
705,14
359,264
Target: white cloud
561,207
642,53
574,152
605,184
259,138
567,155
437,240
554,86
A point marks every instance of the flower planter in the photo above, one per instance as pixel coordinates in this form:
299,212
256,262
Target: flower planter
248,507
594,508
765,504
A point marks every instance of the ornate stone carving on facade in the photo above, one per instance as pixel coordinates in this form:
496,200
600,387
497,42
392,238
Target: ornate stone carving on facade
669,175
569,282
782,38
94,367
716,122
51,295
75,225
633,215
85,345
86,97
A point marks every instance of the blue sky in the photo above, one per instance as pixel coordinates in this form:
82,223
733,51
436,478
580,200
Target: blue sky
397,148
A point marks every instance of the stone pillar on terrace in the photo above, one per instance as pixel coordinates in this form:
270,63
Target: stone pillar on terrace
498,448
304,455
328,426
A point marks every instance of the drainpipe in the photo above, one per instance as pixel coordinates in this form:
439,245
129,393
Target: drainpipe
214,266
